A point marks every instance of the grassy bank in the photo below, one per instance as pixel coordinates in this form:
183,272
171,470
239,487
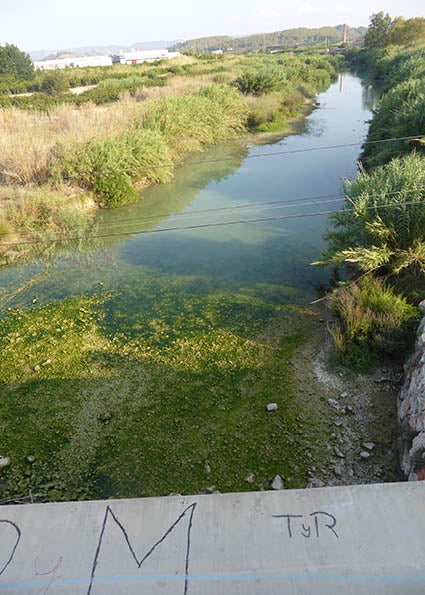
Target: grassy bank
379,237
93,155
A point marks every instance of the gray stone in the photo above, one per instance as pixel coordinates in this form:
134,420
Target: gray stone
315,483
271,407
250,478
207,468
338,469
31,459
4,462
364,454
339,453
333,403
277,483
368,445
344,395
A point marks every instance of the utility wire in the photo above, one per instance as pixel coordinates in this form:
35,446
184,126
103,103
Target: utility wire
416,137
278,204
201,225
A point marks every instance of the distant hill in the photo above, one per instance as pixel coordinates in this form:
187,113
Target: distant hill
284,39
100,50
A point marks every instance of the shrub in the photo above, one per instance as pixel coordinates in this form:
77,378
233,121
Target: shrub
261,82
55,83
371,321
401,113
382,223
111,168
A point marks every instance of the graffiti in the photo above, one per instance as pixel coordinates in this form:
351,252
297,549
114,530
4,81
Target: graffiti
321,520
4,524
190,510
52,573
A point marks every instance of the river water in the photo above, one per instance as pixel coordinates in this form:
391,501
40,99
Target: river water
141,363
234,182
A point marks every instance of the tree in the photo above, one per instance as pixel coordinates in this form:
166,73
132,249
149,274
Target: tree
406,32
377,35
14,62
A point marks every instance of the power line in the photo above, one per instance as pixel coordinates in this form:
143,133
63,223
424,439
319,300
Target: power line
417,137
202,225
304,201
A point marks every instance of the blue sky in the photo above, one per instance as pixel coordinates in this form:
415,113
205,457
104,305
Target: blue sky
57,24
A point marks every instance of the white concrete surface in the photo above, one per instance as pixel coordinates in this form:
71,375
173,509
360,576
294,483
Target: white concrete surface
352,540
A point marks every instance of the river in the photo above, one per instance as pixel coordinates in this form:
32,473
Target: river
194,313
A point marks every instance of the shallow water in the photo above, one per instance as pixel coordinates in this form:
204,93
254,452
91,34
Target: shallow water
237,181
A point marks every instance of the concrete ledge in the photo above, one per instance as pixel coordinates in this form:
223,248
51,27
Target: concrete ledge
355,539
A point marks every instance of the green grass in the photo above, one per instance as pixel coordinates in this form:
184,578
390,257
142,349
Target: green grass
168,399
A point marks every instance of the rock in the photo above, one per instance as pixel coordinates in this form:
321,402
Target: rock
315,483
421,306
339,453
46,362
338,423
333,403
37,368
31,459
364,454
349,409
207,468
249,478
368,445
4,462
338,469
271,407
344,395
277,483
382,379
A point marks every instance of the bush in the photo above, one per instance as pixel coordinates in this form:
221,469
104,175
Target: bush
55,83
371,321
261,82
382,223
111,168
401,113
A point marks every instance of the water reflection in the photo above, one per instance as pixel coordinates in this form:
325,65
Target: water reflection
223,187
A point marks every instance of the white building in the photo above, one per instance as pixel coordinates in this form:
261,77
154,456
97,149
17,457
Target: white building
135,57
138,57
80,61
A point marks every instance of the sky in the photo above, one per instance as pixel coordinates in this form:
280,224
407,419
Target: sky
58,24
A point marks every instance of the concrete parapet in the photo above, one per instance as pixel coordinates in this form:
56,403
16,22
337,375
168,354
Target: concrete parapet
355,539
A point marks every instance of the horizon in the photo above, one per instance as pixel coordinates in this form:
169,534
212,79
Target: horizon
56,26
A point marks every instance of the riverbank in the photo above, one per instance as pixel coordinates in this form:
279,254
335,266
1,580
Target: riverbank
56,166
